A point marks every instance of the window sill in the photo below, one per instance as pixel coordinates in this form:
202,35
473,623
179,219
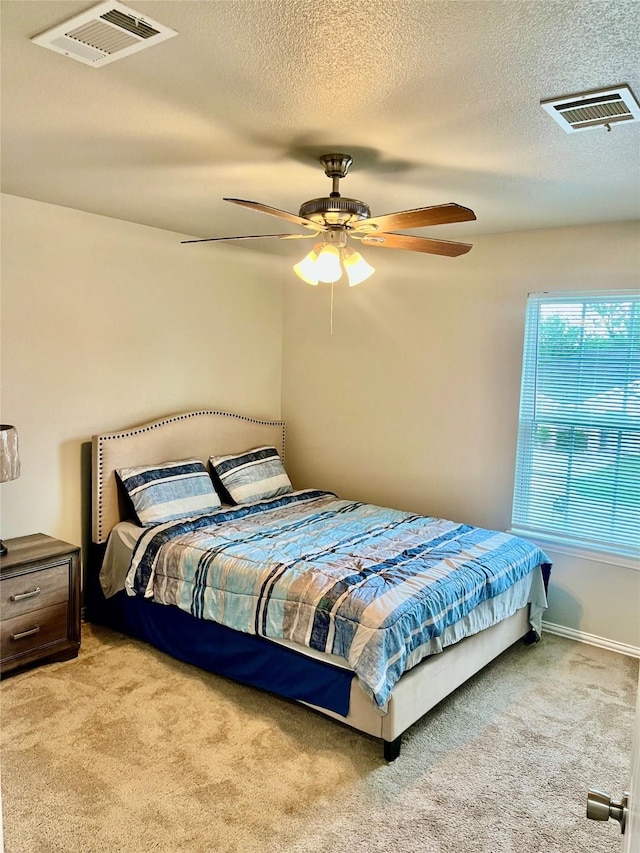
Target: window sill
549,543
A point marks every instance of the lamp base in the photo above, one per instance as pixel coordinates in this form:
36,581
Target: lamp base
3,548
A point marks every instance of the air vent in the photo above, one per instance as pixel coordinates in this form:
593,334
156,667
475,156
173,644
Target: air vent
588,110
105,33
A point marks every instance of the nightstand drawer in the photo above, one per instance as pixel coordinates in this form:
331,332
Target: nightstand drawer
33,591
34,630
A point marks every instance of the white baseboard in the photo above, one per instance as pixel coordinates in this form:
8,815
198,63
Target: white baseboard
591,639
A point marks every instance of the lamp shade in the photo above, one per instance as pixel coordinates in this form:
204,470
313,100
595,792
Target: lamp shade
9,456
306,269
357,268
328,267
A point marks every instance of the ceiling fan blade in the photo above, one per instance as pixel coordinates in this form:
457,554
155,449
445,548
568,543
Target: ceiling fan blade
281,214
439,214
252,237
416,244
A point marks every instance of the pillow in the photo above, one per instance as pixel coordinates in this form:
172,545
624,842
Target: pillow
252,475
169,491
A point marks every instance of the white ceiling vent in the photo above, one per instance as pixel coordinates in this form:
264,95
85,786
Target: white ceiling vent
103,34
588,110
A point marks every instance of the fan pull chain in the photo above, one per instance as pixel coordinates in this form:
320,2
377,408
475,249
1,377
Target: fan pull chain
331,323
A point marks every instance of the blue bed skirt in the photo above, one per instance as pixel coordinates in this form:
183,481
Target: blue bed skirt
215,648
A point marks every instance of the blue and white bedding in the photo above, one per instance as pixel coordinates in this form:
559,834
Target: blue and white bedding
372,585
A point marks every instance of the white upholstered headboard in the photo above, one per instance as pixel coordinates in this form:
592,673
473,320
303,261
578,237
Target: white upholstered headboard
198,434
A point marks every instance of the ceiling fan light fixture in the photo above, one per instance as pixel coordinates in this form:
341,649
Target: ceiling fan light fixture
327,261
356,267
334,219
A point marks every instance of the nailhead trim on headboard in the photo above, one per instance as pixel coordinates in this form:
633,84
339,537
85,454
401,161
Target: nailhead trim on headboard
163,422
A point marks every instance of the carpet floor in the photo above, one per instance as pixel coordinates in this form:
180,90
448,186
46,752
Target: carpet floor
125,750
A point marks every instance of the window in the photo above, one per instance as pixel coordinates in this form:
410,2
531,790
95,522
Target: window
578,458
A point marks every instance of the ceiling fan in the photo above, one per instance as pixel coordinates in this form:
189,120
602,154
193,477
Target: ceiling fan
335,220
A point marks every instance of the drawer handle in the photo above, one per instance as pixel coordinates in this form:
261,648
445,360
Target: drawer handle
24,634
20,596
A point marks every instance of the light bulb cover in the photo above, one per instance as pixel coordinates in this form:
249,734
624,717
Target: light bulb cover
356,267
306,268
328,267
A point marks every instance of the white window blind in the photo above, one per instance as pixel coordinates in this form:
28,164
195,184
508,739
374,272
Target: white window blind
578,458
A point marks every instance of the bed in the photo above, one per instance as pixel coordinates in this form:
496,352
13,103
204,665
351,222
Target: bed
309,573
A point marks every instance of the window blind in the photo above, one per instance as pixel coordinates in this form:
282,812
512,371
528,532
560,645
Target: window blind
578,456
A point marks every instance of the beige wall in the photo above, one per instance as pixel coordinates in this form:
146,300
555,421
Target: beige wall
413,401
106,324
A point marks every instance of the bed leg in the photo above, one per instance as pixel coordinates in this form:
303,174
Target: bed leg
392,748
531,638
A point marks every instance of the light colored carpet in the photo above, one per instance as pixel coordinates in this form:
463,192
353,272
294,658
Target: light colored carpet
125,750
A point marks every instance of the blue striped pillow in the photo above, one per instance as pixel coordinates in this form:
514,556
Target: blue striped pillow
169,491
252,475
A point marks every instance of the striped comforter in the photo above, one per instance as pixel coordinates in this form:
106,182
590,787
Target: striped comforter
370,584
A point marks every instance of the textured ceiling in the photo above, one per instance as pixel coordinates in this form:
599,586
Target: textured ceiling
436,102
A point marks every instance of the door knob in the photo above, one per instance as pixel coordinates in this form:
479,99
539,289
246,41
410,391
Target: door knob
600,806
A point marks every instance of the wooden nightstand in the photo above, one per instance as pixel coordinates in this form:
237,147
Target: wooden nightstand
39,601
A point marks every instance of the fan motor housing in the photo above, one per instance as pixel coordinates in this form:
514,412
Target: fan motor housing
334,210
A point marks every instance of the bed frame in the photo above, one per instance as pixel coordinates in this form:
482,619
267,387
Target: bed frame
204,433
